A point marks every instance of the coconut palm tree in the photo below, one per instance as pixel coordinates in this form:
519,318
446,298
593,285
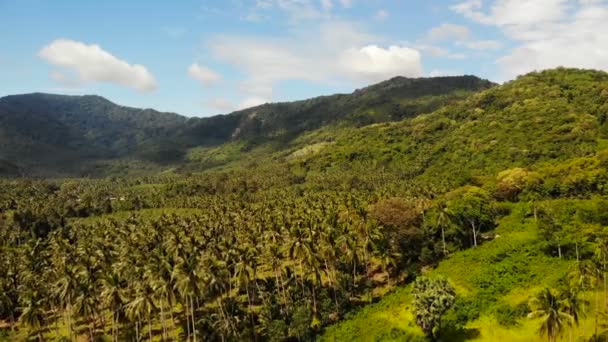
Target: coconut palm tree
553,313
111,297
32,314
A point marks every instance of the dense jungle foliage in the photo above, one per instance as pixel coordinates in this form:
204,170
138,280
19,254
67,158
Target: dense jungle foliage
492,203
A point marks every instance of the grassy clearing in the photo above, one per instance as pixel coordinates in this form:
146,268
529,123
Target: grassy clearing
492,280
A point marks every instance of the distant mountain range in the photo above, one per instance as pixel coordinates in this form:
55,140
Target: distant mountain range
47,135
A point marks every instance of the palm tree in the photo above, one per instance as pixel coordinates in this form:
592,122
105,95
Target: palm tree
553,312
442,220
187,278
142,306
572,305
111,297
33,313
583,276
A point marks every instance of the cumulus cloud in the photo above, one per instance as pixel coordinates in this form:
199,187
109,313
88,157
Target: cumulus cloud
206,76
332,52
547,33
91,63
373,63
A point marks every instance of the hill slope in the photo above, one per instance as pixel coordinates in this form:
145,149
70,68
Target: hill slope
50,135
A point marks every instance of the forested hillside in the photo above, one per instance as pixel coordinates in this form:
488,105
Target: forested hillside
53,135
453,211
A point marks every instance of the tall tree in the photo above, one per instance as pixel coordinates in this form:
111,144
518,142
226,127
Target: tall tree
553,312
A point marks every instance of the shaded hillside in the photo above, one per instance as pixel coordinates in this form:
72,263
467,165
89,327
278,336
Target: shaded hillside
47,134
391,100
56,135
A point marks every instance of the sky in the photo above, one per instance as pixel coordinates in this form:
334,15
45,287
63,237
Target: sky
206,57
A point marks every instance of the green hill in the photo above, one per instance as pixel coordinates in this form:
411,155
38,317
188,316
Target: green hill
54,135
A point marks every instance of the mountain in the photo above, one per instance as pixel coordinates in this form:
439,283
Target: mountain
45,134
56,135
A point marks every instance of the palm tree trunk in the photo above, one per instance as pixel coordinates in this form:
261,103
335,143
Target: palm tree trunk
314,299
224,315
69,319
443,239
149,329
605,284
91,323
281,288
163,320
187,313
249,304
354,273
474,234
113,325
13,321
193,323
302,278
173,321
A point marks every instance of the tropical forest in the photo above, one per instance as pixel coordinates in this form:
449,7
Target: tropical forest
304,171
444,209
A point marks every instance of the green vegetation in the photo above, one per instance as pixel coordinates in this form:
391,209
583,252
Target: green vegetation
58,136
421,211
432,298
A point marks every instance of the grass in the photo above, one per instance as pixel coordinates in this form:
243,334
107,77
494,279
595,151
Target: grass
496,277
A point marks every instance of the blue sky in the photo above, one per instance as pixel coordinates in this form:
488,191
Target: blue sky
200,58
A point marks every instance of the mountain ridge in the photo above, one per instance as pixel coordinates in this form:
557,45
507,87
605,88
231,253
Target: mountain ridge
61,135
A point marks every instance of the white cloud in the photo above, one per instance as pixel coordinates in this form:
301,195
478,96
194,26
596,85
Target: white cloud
206,76
91,63
327,4
514,12
443,73
438,51
296,11
220,104
334,51
373,64
547,33
252,101
449,32
346,3
483,45
381,14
